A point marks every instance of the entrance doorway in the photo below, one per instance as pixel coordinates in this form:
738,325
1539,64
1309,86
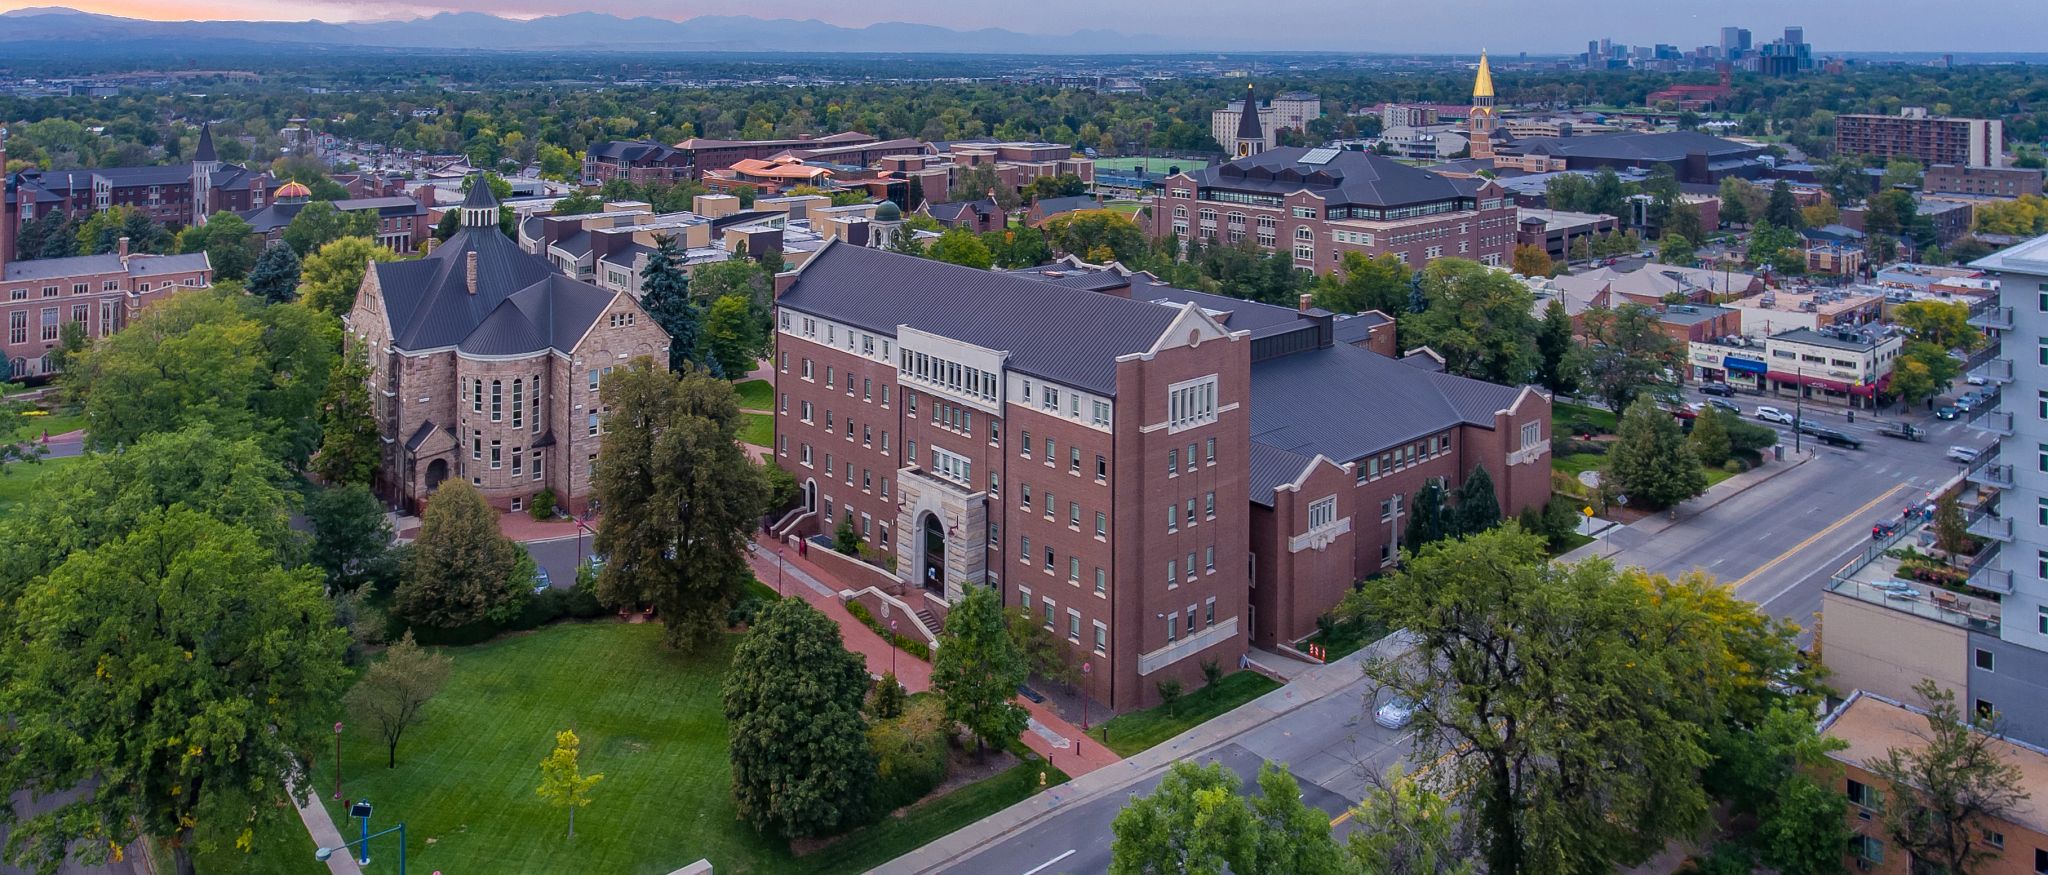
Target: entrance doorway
933,573
437,471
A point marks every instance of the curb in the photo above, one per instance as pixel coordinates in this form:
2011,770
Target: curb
1666,523
972,839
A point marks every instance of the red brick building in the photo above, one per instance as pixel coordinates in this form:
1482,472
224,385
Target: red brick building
1164,476
402,225
101,292
175,195
1322,203
486,364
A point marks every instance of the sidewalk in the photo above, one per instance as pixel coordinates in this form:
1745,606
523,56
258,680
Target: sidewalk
325,835
1311,685
1050,735
517,524
1656,524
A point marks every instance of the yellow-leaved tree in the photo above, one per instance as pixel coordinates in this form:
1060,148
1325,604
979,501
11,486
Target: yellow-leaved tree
562,782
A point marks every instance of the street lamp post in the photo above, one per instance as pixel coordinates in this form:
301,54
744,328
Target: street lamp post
323,854
892,646
1798,408
337,759
778,568
1085,667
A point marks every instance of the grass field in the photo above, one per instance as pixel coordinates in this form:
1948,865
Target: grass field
18,479
755,395
759,429
1128,208
1578,463
1130,733
56,423
650,722
1568,413
1156,165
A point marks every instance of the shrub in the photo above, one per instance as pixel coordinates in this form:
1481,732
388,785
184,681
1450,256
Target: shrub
1568,446
582,602
543,506
1735,466
845,539
743,611
910,644
1211,672
1169,694
910,754
888,698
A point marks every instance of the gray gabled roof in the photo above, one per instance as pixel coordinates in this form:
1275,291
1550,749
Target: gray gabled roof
553,313
428,300
1348,178
1345,402
1271,468
877,291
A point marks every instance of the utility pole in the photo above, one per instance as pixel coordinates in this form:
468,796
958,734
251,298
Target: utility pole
1798,408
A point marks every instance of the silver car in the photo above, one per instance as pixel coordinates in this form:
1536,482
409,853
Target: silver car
1395,714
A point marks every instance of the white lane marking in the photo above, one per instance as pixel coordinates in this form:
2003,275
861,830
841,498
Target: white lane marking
1048,864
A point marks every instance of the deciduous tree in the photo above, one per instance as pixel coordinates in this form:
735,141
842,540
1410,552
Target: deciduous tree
1363,283
319,223
393,695
1193,823
1405,828
1946,325
351,536
680,498
1558,362
1478,318
180,668
1531,260
977,669
1628,352
562,782
331,276
350,447
1709,438
1942,792
960,246
227,240
801,765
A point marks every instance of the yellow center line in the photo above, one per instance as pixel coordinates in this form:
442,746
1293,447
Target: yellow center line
1737,585
1418,773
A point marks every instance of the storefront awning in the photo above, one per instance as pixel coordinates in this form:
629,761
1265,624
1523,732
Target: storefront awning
1744,365
1864,389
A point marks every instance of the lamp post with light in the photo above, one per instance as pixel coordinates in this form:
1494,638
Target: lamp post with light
324,854
337,759
1085,667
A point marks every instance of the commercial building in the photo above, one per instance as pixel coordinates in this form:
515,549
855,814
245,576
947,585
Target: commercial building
1321,203
1693,157
1928,139
1773,311
645,161
1653,283
486,364
1870,727
1163,476
1846,366
2005,182
1553,231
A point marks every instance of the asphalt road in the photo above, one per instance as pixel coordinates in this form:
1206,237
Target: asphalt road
1777,542
559,556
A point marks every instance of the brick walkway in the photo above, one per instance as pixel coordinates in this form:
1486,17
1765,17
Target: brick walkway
519,526
1050,735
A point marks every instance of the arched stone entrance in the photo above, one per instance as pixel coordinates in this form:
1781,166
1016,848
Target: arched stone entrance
437,471
932,567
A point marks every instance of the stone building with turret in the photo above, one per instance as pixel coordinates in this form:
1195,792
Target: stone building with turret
486,364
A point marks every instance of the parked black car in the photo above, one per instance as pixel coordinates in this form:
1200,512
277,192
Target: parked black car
1722,389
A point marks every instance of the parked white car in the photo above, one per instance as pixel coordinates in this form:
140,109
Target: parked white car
1395,714
1773,414
1965,455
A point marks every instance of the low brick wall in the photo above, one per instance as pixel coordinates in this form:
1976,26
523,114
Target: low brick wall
851,571
907,623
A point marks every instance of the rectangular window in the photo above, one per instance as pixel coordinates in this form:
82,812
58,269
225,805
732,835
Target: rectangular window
1101,638
1101,524
1209,506
1024,549
518,403
1051,457
1172,463
1101,413
1532,434
1193,403
1864,795
1073,460
1209,612
1048,612
497,456
1101,468
1209,559
1074,569
1024,445
1172,572
590,423
1101,581
1073,625
1322,513
1024,493
1985,660
497,399
1172,627
1074,514
1172,518
537,460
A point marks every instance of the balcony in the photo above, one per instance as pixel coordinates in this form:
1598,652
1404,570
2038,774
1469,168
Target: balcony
1988,574
1992,317
1997,422
1991,473
1994,370
1989,523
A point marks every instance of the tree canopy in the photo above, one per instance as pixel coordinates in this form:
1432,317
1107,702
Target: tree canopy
801,765
1477,318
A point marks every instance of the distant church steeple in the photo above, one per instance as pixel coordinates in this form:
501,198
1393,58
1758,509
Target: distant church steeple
1483,120
1251,136
205,162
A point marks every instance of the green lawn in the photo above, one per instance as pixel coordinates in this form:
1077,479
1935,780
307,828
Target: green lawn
1128,208
755,395
18,479
1130,733
32,427
924,823
1716,475
1565,413
1577,463
759,429
1345,638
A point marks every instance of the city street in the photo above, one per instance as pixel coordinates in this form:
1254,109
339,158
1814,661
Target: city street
1777,542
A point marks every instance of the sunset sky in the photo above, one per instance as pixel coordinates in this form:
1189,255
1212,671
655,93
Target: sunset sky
1556,26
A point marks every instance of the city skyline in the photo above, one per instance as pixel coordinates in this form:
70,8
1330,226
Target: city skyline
1461,26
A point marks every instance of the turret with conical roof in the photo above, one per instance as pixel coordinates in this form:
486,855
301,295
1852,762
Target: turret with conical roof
205,150
1251,136
480,207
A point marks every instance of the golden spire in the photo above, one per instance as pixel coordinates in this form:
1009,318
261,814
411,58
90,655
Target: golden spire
1483,85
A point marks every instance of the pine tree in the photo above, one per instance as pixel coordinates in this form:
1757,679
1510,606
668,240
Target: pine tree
1709,440
275,278
1650,462
1556,367
978,668
1429,519
1782,209
1478,507
665,295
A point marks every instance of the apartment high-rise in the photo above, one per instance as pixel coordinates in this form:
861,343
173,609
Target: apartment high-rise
1929,139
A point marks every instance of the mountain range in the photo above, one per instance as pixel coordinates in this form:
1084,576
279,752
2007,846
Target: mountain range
581,30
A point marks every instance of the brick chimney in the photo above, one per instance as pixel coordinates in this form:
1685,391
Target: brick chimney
121,249
469,263
1305,299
